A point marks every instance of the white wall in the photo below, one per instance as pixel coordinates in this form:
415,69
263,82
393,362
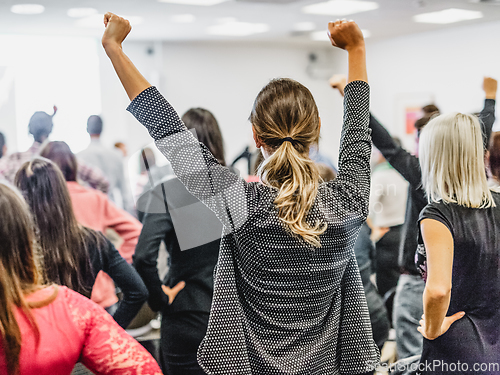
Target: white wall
224,78
448,65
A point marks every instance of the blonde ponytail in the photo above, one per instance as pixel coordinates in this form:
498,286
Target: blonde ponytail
285,118
296,176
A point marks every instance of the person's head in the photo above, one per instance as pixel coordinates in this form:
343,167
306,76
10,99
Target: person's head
94,125
60,153
147,156
429,111
494,155
207,131
19,271
122,147
452,161
40,126
61,239
285,122
3,146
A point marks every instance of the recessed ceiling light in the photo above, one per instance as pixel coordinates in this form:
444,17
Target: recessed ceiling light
183,18
322,36
238,28
304,26
448,16
97,21
194,2
81,12
27,9
340,7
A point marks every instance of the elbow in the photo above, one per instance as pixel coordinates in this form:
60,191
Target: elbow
438,293
142,294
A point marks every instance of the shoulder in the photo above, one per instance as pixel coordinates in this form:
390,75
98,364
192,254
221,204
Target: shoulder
440,211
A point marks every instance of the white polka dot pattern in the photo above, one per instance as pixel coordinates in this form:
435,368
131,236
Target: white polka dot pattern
279,305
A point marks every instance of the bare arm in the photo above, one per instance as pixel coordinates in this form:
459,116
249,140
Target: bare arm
347,35
439,248
117,29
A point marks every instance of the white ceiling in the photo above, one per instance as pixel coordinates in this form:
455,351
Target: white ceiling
392,18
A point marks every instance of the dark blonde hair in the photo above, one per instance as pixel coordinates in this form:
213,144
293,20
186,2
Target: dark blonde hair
284,108
19,272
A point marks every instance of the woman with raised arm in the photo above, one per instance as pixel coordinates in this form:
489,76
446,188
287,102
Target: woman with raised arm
288,298
458,252
47,329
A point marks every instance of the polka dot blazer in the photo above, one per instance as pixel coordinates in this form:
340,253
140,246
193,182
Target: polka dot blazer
280,306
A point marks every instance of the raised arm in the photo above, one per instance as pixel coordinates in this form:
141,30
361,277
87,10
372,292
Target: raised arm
355,145
487,115
348,36
117,29
226,194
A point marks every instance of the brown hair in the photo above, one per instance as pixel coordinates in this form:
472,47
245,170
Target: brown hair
494,151
430,111
19,272
62,241
207,130
60,153
284,108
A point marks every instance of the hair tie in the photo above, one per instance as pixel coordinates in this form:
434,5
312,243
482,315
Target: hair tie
289,139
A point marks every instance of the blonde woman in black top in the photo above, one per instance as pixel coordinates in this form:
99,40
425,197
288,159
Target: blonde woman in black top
288,298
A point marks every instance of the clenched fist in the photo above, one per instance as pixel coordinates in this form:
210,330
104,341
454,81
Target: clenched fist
117,29
345,34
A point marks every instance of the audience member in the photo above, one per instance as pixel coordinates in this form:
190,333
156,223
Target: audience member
408,304
110,161
3,146
40,127
192,234
94,210
388,195
47,329
72,254
458,250
288,297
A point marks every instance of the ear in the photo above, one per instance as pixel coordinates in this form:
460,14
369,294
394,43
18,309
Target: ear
258,142
319,124
4,150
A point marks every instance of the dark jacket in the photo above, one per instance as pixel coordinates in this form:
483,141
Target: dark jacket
191,233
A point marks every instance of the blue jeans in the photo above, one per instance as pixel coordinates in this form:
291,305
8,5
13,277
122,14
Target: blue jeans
408,310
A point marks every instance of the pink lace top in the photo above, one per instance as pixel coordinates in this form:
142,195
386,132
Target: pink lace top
72,329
